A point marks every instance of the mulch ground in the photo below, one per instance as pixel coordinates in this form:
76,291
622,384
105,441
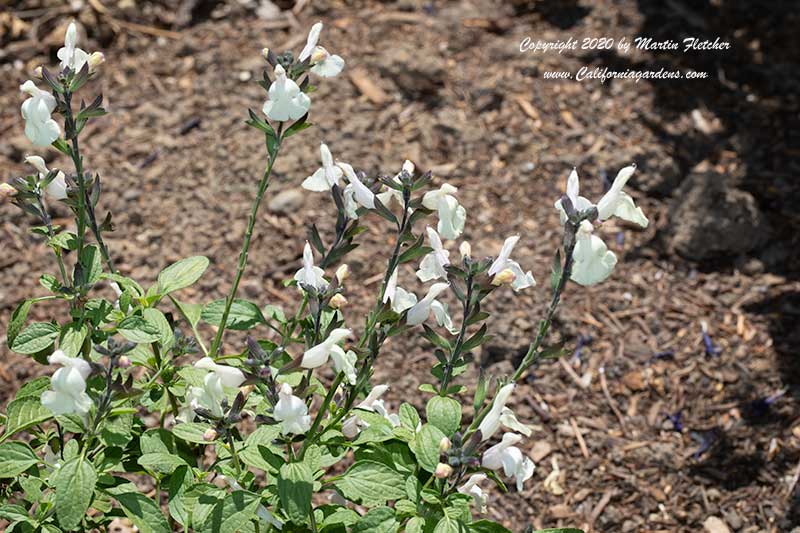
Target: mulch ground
649,431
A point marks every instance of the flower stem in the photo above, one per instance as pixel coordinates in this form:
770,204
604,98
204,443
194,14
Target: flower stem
235,456
262,188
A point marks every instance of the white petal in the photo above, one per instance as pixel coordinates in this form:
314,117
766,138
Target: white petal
626,210
317,182
593,261
499,264
311,42
608,203
329,68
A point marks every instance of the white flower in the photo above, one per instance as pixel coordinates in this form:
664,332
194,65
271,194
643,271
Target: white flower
421,310
72,57
228,375
491,422
208,397
310,274
69,386
522,280
345,362
442,317
286,101
362,194
318,355
342,273
613,203
471,488
56,189
389,194
52,460
432,265
510,458
451,215
400,298
95,60
593,261
291,412
325,177
465,249
40,128
324,64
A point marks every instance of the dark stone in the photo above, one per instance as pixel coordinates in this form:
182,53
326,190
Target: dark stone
712,219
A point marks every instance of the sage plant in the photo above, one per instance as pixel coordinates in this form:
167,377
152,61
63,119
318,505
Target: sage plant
144,418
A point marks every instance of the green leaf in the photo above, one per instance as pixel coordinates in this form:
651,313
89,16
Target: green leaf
555,276
415,525
92,263
15,458
166,463
74,484
371,483
156,318
378,520
179,482
35,338
233,513
191,432
243,314
181,274
18,318
449,525
72,339
408,416
444,413
143,512
426,446
137,329
191,312
25,412
297,127
295,485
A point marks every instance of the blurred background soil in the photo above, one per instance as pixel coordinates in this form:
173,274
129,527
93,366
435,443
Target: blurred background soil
649,430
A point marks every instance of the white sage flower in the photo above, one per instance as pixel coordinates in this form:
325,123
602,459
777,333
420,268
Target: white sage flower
310,274
56,189
422,309
362,194
593,261
323,63
318,355
400,298
491,422
471,488
442,317
325,177
352,426
228,375
615,202
70,55
345,362
389,193
510,458
286,100
69,386
452,215
432,265
522,280
40,128
291,412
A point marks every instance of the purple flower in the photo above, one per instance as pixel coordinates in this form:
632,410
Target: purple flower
675,419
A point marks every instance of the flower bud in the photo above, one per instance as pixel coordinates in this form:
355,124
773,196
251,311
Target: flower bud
265,53
466,250
337,301
6,191
445,445
443,471
504,277
95,60
210,434
246,390
38,72
124,361
342,273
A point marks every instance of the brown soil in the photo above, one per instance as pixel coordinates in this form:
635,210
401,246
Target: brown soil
179,169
